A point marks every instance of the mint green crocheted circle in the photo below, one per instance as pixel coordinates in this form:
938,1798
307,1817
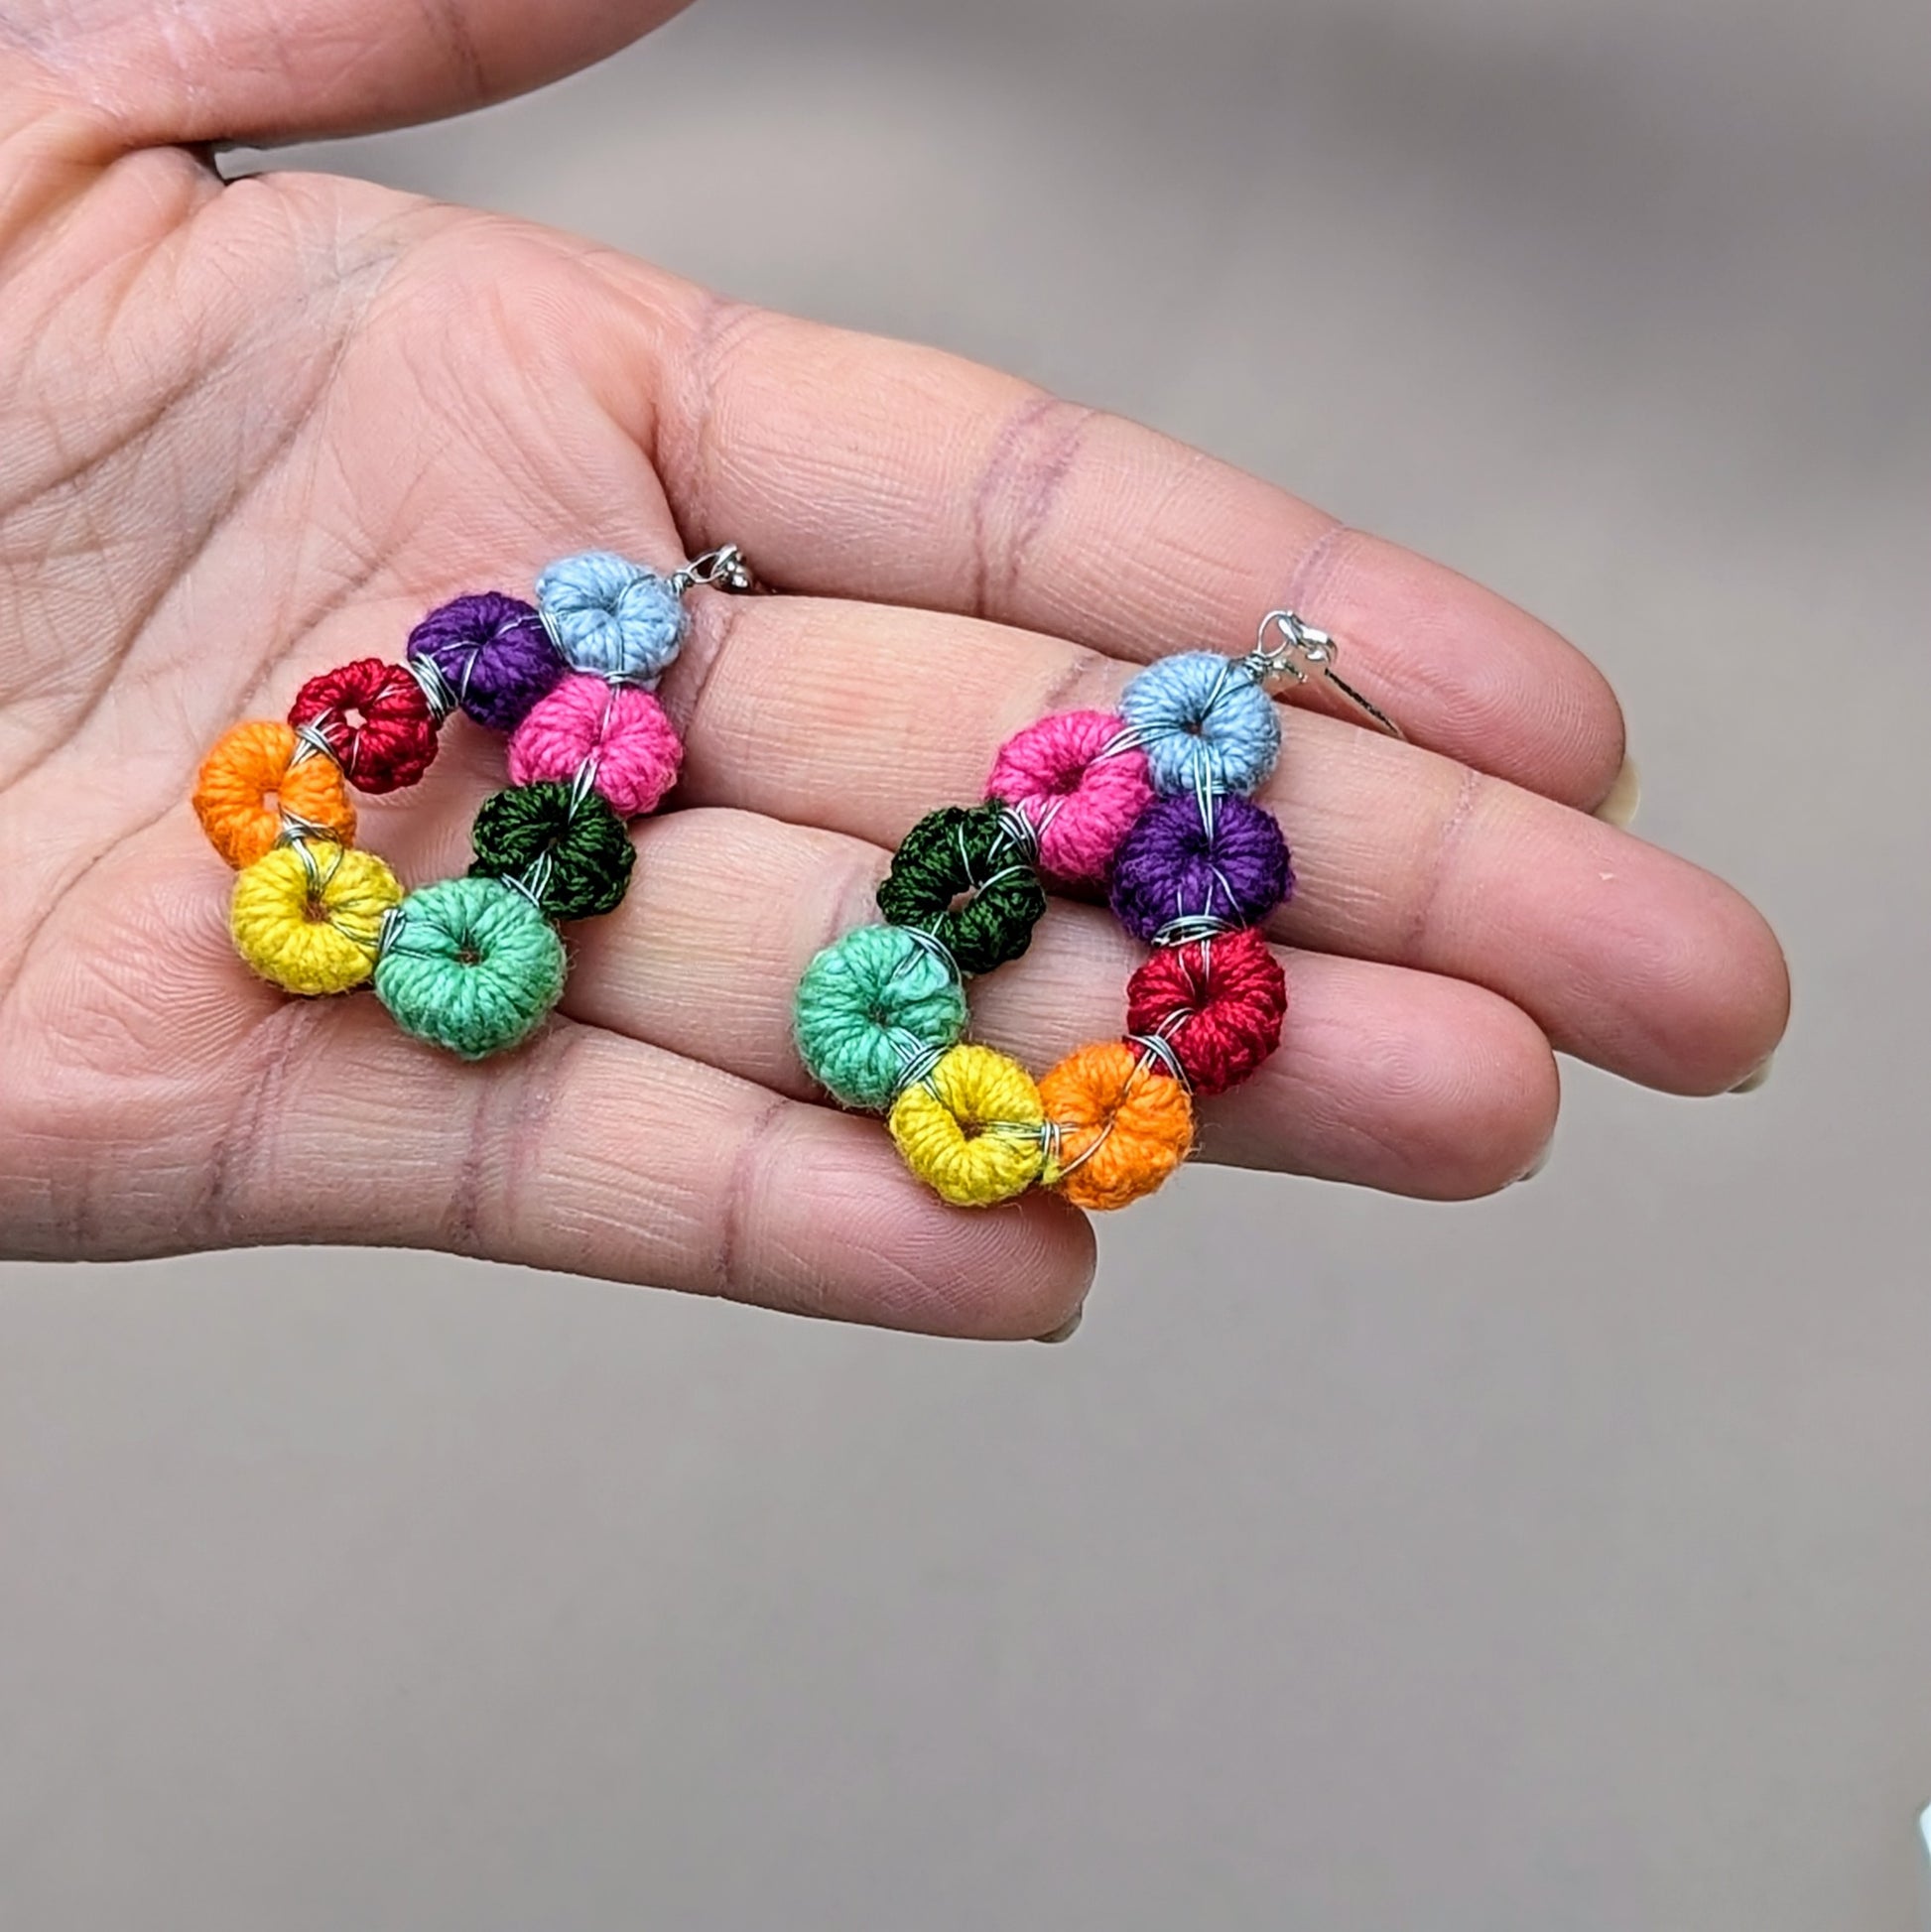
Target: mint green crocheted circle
867,1005
471,965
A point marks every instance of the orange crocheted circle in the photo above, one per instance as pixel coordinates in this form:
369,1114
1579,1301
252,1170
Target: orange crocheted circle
1124,1124
247,784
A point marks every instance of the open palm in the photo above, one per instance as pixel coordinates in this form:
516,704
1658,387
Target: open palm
248,432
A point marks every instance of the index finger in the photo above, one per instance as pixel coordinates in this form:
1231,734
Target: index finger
863,468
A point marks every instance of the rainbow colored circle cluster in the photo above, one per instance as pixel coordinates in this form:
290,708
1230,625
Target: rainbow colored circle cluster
1152,806
474,964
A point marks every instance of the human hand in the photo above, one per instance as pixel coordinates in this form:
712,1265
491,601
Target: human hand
250,431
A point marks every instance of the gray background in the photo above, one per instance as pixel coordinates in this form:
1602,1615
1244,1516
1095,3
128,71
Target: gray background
1559,1561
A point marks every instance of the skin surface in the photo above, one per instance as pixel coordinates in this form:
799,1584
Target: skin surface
249,432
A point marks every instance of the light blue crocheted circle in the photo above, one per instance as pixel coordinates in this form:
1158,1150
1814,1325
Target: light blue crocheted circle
611,617
1201,718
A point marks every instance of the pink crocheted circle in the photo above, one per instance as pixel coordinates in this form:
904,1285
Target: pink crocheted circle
636,748
1082,803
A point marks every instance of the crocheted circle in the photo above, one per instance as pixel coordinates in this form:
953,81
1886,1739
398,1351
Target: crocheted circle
1217,1003
249,782
622,732
470,965
1123,1125
1080,803
871,1007
567,846
307,915
969,851
1204,723
374,719
972,1128
1173,865
493,653
611,616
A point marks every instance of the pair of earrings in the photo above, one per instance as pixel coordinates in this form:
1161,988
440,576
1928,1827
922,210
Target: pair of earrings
1152,806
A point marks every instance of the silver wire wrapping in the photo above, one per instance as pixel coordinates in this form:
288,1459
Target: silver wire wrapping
917,1057
388,933
1188,927
1159,1047
1287,648
933,944
723,568
312,741
918,1061
434,687
1020,832
583,783
294,829
533,881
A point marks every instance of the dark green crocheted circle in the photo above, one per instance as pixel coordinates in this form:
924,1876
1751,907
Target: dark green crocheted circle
971,851
588,853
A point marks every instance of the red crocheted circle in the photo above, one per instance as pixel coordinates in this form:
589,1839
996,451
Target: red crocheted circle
1218,1002
394,742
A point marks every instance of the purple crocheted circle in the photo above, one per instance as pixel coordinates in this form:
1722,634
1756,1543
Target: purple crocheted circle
493,653
1171,867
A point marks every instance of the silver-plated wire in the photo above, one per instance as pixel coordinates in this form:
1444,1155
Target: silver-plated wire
437,694
1187,927
1018,830
1160,1047
533,881
312,741
1302,648
933,944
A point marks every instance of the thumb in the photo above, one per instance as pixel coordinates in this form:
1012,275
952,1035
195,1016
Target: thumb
260,71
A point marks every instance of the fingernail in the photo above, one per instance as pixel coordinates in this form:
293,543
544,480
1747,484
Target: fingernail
1619,808
1752,1081
1067,1330
1540,1162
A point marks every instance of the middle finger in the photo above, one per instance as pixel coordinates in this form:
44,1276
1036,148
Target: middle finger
860,719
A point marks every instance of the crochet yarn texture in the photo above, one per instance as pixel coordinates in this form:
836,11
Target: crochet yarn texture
872,1006
616,730
965,878
1150,806
473,964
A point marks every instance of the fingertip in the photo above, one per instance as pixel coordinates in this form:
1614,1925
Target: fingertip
864,1240
1672,978
1731,1001
1412,1083
1480,1094
1009,1273
1475,677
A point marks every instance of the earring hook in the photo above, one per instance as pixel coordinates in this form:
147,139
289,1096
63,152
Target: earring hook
1299,649
721,570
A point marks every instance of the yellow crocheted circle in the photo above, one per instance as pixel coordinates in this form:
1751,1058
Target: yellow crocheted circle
972,1129
309,915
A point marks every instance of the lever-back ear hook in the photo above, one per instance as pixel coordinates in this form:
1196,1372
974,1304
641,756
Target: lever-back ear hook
1290,648
719,570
